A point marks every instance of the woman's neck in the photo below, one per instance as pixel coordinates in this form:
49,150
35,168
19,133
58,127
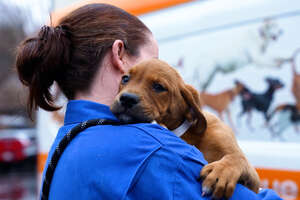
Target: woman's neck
105,86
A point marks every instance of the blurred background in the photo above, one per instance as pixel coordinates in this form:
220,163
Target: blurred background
243,51
18,146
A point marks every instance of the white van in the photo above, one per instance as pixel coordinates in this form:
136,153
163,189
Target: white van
217,45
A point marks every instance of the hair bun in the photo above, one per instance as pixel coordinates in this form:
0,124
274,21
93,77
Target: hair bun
41,60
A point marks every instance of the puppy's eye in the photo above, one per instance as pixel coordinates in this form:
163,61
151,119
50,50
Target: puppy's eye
125,79
158,87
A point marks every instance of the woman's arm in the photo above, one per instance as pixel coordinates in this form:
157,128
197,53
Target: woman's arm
167,175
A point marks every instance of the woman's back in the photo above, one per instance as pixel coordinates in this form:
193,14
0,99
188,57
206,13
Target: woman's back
106,162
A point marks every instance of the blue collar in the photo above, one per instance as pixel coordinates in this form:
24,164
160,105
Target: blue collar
82,110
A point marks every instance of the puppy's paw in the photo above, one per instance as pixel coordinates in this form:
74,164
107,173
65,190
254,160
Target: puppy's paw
219,178
250,179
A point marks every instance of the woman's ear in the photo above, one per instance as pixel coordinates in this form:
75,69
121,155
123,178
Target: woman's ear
118,55
192,99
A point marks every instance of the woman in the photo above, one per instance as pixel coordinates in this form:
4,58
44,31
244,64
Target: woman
86,55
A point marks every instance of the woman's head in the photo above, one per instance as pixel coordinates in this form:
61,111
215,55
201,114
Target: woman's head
72,52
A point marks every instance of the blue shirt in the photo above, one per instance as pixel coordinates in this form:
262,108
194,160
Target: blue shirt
140,161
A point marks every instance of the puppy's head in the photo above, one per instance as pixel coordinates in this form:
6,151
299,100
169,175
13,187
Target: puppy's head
153,90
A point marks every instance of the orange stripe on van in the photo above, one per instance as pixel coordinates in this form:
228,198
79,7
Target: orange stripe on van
132,6
285,182
41,161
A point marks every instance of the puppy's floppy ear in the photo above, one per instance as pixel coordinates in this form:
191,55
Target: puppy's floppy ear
194,115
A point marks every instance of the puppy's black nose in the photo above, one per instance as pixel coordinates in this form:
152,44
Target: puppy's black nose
128,99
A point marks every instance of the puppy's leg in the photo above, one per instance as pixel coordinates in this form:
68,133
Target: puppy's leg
217,142
220,177
227,163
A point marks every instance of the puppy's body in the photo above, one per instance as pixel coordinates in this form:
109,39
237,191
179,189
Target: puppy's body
227,162
153,90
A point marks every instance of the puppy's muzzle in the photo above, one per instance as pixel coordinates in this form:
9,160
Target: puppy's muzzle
128,100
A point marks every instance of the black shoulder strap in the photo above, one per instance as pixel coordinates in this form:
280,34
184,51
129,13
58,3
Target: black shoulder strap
62,146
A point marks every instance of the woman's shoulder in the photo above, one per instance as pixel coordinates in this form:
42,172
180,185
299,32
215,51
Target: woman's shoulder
174,145
117,155
139,140
117,140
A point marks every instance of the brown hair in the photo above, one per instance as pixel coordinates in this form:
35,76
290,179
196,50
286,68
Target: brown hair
71,52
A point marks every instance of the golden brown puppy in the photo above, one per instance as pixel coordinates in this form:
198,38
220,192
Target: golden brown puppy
152,90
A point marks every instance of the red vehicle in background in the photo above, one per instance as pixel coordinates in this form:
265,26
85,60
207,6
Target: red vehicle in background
17,145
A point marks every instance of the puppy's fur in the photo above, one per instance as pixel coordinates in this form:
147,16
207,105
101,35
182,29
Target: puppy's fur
152,90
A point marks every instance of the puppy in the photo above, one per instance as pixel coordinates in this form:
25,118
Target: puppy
154,91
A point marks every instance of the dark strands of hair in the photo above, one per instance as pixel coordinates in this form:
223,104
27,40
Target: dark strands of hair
71,53
38,61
